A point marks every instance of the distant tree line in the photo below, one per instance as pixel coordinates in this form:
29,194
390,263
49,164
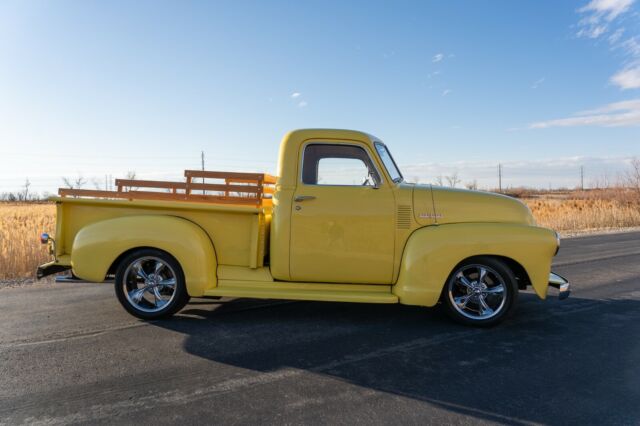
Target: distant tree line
26,194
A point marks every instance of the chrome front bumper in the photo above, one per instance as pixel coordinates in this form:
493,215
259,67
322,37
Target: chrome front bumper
563,286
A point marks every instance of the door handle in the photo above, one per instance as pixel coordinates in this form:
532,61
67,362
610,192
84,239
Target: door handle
299,198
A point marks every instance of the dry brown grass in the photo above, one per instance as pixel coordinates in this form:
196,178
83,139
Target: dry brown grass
576,211
20,226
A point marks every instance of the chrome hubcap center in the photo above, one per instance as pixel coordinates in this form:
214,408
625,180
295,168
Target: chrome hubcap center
476,288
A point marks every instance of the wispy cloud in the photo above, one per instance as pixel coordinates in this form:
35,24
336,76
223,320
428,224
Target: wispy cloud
598,15
616,36
618,114
537,83
627,78
437,57
298,100
445,92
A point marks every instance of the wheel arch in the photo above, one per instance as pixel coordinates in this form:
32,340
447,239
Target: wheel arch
433,252
518,270
98,248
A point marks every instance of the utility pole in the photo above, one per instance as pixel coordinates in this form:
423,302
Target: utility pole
582,178
202,160
499,177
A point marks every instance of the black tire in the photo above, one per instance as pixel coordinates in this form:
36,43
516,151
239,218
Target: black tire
474,296
130,284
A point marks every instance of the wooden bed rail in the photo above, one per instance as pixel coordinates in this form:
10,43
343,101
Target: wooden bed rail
233,188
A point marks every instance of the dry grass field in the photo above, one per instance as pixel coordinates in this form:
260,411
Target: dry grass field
568,212
573,212
20,227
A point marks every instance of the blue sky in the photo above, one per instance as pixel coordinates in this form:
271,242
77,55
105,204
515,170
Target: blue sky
99,88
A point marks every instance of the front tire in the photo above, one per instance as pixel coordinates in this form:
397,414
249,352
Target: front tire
150,284
481,291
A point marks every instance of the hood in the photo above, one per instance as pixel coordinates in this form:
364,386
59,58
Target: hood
435,204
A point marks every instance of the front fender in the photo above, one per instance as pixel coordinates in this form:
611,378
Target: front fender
432,252
98,245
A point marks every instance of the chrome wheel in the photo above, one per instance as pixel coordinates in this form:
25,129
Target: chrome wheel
149,284
477,292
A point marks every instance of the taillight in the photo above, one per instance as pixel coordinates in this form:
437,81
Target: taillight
44,238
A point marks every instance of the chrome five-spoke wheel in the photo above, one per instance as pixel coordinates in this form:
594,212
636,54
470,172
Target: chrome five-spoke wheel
150,284
480,291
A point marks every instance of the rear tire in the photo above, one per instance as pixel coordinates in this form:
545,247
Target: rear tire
150,284
481,291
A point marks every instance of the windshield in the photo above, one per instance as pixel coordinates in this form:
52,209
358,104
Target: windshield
388,162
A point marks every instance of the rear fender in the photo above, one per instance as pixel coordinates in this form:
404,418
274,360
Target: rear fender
98,245
432,252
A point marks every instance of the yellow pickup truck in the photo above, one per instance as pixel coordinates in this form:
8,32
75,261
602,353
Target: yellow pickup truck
338,223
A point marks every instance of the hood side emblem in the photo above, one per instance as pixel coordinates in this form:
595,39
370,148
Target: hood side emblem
430,216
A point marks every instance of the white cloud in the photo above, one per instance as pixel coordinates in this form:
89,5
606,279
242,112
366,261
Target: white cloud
599,15
537,83
445,92
618,114
302,104
615,37
607,9
632,46
438,57
295,95
592,32
628,78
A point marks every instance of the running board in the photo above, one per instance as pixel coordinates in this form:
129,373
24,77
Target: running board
361,293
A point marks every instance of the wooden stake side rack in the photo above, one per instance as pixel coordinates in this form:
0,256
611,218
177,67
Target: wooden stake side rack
253,189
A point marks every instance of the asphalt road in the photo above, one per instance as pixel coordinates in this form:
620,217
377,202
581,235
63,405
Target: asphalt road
70,354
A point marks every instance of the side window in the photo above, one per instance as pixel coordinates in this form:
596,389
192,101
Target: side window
347,165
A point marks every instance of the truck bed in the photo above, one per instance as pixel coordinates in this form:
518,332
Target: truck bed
233,208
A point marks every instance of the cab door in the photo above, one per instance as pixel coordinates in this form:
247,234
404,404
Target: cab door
342,219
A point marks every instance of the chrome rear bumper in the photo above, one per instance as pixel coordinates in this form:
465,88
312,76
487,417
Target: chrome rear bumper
563,286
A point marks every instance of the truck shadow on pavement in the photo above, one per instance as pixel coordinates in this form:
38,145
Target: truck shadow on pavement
553,362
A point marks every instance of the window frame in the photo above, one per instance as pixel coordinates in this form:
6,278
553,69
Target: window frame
381,178
375,145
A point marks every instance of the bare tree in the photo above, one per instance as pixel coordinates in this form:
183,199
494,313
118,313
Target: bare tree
439,180
24,195
633,175
453,180
76,183
472,185
67,182
131,175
